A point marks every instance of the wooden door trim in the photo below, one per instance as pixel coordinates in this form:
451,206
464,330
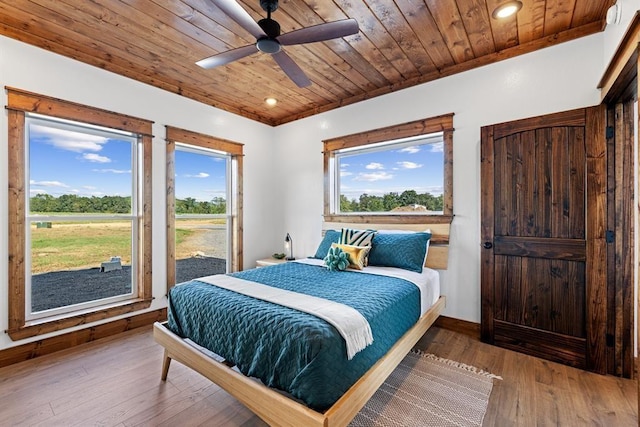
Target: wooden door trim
487,224
622,69
596,269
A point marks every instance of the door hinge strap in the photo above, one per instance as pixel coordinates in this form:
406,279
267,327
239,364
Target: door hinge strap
610,236
610,340
610,132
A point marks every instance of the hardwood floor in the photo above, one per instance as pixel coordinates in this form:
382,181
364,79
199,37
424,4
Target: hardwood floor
116,382
536,392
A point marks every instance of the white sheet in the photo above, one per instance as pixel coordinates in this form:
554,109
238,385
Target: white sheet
428,281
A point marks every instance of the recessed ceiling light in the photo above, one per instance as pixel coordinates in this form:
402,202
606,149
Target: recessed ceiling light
507,9
271,101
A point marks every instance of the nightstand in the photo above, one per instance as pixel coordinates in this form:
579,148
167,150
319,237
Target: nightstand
269,261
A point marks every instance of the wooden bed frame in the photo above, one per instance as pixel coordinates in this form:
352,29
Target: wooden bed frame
272,406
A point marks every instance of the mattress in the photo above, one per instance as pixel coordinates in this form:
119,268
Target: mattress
293,351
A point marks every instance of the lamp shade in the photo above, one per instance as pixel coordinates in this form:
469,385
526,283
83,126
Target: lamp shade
288,247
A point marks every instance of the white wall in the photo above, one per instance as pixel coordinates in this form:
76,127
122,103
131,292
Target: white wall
36,70
551,80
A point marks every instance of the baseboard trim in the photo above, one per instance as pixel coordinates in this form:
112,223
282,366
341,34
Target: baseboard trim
462,326
45,346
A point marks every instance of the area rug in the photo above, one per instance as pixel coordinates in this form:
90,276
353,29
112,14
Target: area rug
426,390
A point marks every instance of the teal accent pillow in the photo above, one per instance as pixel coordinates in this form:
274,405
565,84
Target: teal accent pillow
330,236
336,259
406,250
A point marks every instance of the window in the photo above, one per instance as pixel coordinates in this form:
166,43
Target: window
396,176
80,210
397,172
204,206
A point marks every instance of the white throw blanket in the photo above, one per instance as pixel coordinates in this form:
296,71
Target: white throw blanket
352,325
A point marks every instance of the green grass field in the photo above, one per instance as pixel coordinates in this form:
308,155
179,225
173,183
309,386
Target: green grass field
76,245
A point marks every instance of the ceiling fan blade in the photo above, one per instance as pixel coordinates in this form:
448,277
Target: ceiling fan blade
321,32
241,16
291,69
227,57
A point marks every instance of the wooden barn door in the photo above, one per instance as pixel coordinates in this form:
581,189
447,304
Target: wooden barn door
544,262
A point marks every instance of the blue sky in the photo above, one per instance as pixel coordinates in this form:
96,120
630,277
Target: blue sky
200,176
67,162
416,167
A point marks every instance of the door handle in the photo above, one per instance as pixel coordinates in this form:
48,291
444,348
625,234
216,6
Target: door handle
487,245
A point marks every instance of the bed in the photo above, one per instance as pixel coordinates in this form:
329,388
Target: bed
309,374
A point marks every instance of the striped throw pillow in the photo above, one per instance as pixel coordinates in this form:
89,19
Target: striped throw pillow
355,237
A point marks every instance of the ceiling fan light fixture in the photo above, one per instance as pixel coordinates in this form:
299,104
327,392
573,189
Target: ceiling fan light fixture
269,39
507,9
268,45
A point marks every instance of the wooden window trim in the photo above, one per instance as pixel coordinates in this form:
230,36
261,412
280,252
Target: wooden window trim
235,149
19,103
443,123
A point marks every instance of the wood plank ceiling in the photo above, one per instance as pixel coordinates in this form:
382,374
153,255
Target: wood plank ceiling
401,43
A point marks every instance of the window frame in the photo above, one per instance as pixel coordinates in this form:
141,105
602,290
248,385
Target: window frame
31,218
234,215
19,104
443,123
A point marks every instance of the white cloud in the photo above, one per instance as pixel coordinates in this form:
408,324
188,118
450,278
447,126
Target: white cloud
437,147
48,184
96,158
117,171
200,175
68,140
34,191
409,165
410,150
343,170
89,187
375,176
375,166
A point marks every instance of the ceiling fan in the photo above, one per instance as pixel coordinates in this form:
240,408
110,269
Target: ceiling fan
269,40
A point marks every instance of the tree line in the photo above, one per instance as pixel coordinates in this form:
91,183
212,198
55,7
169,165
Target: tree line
217,205
390,201
71,203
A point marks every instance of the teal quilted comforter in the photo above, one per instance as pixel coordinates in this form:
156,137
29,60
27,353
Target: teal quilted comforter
291,350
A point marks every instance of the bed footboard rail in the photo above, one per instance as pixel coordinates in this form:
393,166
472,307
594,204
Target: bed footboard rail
277,409
271,406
